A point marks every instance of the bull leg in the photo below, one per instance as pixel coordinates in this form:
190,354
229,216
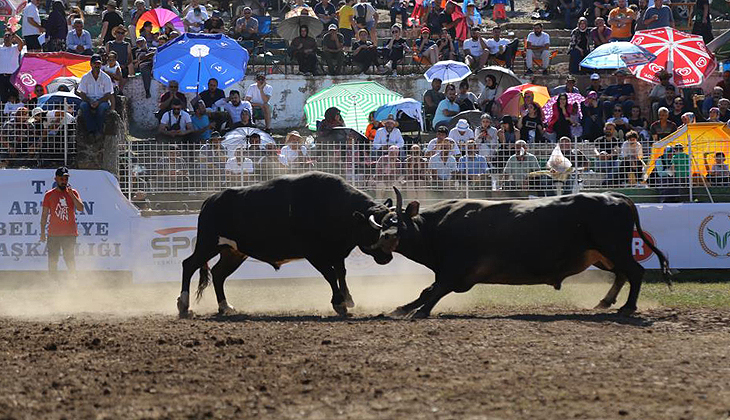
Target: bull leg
190,265
330,274
610,297
438,292
228,263
341,274
412,306
635,273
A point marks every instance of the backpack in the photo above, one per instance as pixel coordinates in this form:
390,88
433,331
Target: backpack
361,13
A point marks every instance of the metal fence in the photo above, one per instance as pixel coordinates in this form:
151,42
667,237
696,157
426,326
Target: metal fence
466,170
32,136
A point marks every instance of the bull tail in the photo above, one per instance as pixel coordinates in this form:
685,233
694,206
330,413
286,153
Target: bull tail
203,282
663,261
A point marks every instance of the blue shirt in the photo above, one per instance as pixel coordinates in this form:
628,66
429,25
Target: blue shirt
200,122
473,165
444,105
665,17
73,40
619,90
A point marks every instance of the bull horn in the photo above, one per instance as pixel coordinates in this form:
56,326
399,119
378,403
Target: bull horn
373,223
398,201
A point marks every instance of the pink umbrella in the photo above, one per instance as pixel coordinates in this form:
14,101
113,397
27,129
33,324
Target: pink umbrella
573,99
11,7
159,18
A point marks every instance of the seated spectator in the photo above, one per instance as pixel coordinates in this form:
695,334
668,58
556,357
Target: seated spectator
712,100
663,173
461,133
714,115
246,120
659,92
579,45
621,93
395,49
632,158
560,122
143,62
247,27
595,85
398,7
239,169
269,166
725,84
486,138
366,17
173,92
373,126
444,46
531,125
95,90
13,103
607,151
304,50
507,136
151,37
724,108
387,136
426,51
346,22
658,16
416,167
538,43
32,101
639,123
18,140
667,101
364,52
569,9
388,168
476,51
621,122
621,20
175,123
211,95
601,9
214,24
113,70
234,106
718,174
577,158
442,137
294,153
601,34
442,163
53,123
195,18
258,8
333,50
258,95
662,127
447,108
487,99
123,50
678,109
688,118
431,100
332,119
213,159
500,48
568,87
592,119
78,41
326,13
466,100
517,170
174,171
472,165
202,126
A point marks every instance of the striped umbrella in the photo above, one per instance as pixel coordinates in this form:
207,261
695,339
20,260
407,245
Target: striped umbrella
355,100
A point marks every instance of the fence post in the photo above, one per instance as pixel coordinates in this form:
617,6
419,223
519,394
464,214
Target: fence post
130,168
65,134
691,161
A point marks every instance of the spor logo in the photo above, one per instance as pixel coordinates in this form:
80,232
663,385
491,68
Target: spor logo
714,234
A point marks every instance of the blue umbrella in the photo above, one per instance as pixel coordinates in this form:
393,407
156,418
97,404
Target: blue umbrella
51,100
193,59
410,107
614,55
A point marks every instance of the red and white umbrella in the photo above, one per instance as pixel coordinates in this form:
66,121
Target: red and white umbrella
682,55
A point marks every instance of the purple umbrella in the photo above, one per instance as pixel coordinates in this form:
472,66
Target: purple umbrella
573,98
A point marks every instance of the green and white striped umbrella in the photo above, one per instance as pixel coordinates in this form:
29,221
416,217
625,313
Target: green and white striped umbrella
355,100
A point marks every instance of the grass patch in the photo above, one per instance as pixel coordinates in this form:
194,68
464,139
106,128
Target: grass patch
689,295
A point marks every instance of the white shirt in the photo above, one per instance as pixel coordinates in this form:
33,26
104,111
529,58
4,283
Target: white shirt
290,154
443,169
31,11
494,45
233,166
106,69
538,41
432,146
9,59
196,21
474,47
460,138
169,119
383,140
234,111
95,89
254,93
488,144
10,107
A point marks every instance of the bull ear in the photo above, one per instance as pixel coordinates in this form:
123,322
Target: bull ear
388,203
412,208
359,216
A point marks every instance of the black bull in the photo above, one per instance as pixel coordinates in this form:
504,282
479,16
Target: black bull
466,242
314,216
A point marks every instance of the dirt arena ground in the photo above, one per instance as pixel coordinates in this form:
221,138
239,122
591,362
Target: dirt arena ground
498,352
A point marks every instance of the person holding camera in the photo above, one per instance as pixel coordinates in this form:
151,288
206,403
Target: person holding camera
176,123
60,205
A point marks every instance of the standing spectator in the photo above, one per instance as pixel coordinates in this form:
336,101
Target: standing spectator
486,137
124,51
60,204
621,93
538,42
112,69
531,125
568,87
78,41
112,18
398,7
517,170
32,27
214,24
176,123
258,95
194,21
395,49
211,95
364,52
658,16
234,107
387,136
461,133
472,165
388,167
443,163
173,92
201,125
680,164
465,99
146,33
579,46
621,18
143,62
607,150
662,127
569,9
326,13
476,51
447,108
367,18
431,100
346,22
432,18
712,100
12,103
139,9
601,34
333,50
304,49
632,158
9,63
500,48
725,84
95,90
601,9
56,27
448,24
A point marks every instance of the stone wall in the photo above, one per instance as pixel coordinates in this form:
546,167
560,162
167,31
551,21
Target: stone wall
100,151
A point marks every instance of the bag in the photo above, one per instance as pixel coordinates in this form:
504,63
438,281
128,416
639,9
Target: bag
558,161
176,126
361,13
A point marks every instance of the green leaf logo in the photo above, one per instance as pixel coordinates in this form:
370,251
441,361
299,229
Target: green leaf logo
721,239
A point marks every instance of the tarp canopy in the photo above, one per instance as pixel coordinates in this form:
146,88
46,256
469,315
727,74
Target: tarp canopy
706,138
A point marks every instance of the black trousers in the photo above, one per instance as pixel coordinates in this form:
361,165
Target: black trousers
6,87
31,41
55,245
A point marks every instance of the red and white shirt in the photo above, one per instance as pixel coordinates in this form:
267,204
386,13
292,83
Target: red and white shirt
62,212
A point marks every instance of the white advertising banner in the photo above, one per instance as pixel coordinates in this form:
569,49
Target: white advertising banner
103,225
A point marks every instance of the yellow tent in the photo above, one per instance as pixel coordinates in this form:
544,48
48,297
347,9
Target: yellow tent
707,137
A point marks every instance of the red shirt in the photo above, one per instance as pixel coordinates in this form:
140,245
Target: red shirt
62,212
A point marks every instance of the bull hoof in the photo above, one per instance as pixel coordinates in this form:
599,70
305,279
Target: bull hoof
183,303
603,305
340,308
399,313
349,302
225,309
420,315
626,311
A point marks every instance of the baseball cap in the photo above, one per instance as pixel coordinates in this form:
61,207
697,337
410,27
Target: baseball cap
215,135
95,58
595,76
332,27
442,129
62,171
141,38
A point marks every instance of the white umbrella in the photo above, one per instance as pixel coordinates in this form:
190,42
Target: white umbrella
448,71
239,138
